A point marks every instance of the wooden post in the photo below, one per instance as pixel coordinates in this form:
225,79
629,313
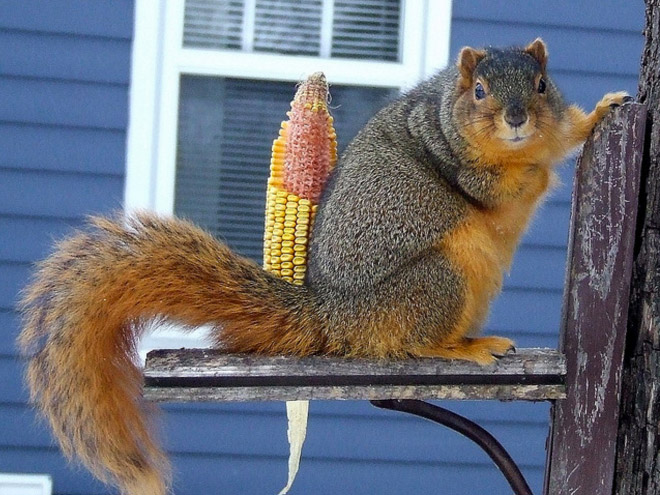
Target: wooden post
581,450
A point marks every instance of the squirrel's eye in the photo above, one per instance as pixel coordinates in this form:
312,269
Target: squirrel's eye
541,87
479,91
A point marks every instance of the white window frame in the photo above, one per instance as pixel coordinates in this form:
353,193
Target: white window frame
159,59
24,484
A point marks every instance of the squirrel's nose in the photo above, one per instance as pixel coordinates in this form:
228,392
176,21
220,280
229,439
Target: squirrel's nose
515,118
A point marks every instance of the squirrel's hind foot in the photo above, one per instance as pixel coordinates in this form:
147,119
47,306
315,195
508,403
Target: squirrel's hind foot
481,350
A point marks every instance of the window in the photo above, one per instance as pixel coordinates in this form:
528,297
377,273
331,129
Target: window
212,80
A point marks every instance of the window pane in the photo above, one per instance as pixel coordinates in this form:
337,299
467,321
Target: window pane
288,26
367,29
213,24
226,129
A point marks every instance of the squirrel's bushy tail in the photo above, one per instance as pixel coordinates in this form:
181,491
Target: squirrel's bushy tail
87,306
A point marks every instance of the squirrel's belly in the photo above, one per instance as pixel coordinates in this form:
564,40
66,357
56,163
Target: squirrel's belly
481,249
474,250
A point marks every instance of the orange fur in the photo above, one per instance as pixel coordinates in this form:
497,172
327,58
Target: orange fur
483,244
84,312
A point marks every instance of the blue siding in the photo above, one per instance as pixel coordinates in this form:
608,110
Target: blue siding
64,79
29,54
58,194
583,15
27,100
79,18
62,149
27,239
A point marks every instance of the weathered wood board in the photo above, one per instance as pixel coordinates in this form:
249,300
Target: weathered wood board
593,334
208,375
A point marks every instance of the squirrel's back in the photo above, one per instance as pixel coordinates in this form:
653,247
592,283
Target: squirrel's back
429,201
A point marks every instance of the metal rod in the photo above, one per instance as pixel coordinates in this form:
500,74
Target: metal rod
468,428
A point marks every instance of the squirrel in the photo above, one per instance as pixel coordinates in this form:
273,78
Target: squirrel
415,229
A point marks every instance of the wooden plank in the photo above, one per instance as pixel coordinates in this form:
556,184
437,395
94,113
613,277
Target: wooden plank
583,438
209,375
354,392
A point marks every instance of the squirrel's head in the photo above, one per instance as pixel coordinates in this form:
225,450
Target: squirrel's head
505,98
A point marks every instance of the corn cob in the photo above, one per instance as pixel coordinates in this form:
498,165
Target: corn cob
303,155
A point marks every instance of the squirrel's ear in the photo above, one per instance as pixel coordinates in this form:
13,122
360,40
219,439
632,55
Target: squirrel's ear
468,58
539,51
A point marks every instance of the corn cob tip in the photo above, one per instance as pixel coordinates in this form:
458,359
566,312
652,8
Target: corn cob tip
317,78
312,93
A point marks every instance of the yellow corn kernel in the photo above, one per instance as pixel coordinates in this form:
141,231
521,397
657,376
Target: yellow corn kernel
296,155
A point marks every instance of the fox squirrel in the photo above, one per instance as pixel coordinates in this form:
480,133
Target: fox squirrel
413,234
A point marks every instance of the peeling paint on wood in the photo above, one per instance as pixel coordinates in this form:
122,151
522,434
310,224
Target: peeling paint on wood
353,392
209,375
583,436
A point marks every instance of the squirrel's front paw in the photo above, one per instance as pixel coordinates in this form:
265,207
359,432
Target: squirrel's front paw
612,100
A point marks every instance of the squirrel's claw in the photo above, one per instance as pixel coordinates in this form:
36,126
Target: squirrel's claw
625,100
510,350
610,101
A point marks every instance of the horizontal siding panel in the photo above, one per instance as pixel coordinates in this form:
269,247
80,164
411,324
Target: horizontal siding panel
353,439
549,227
58,195
65,149
356,438
527,312
63,103
587,89
582,14
12,390
26,239
200,474
564,189
48,56
9,326
14,277
493,412
523,339
75,17
28,431
600,52
537,268
238,475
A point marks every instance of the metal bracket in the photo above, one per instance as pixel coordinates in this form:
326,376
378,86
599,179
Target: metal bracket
468,428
